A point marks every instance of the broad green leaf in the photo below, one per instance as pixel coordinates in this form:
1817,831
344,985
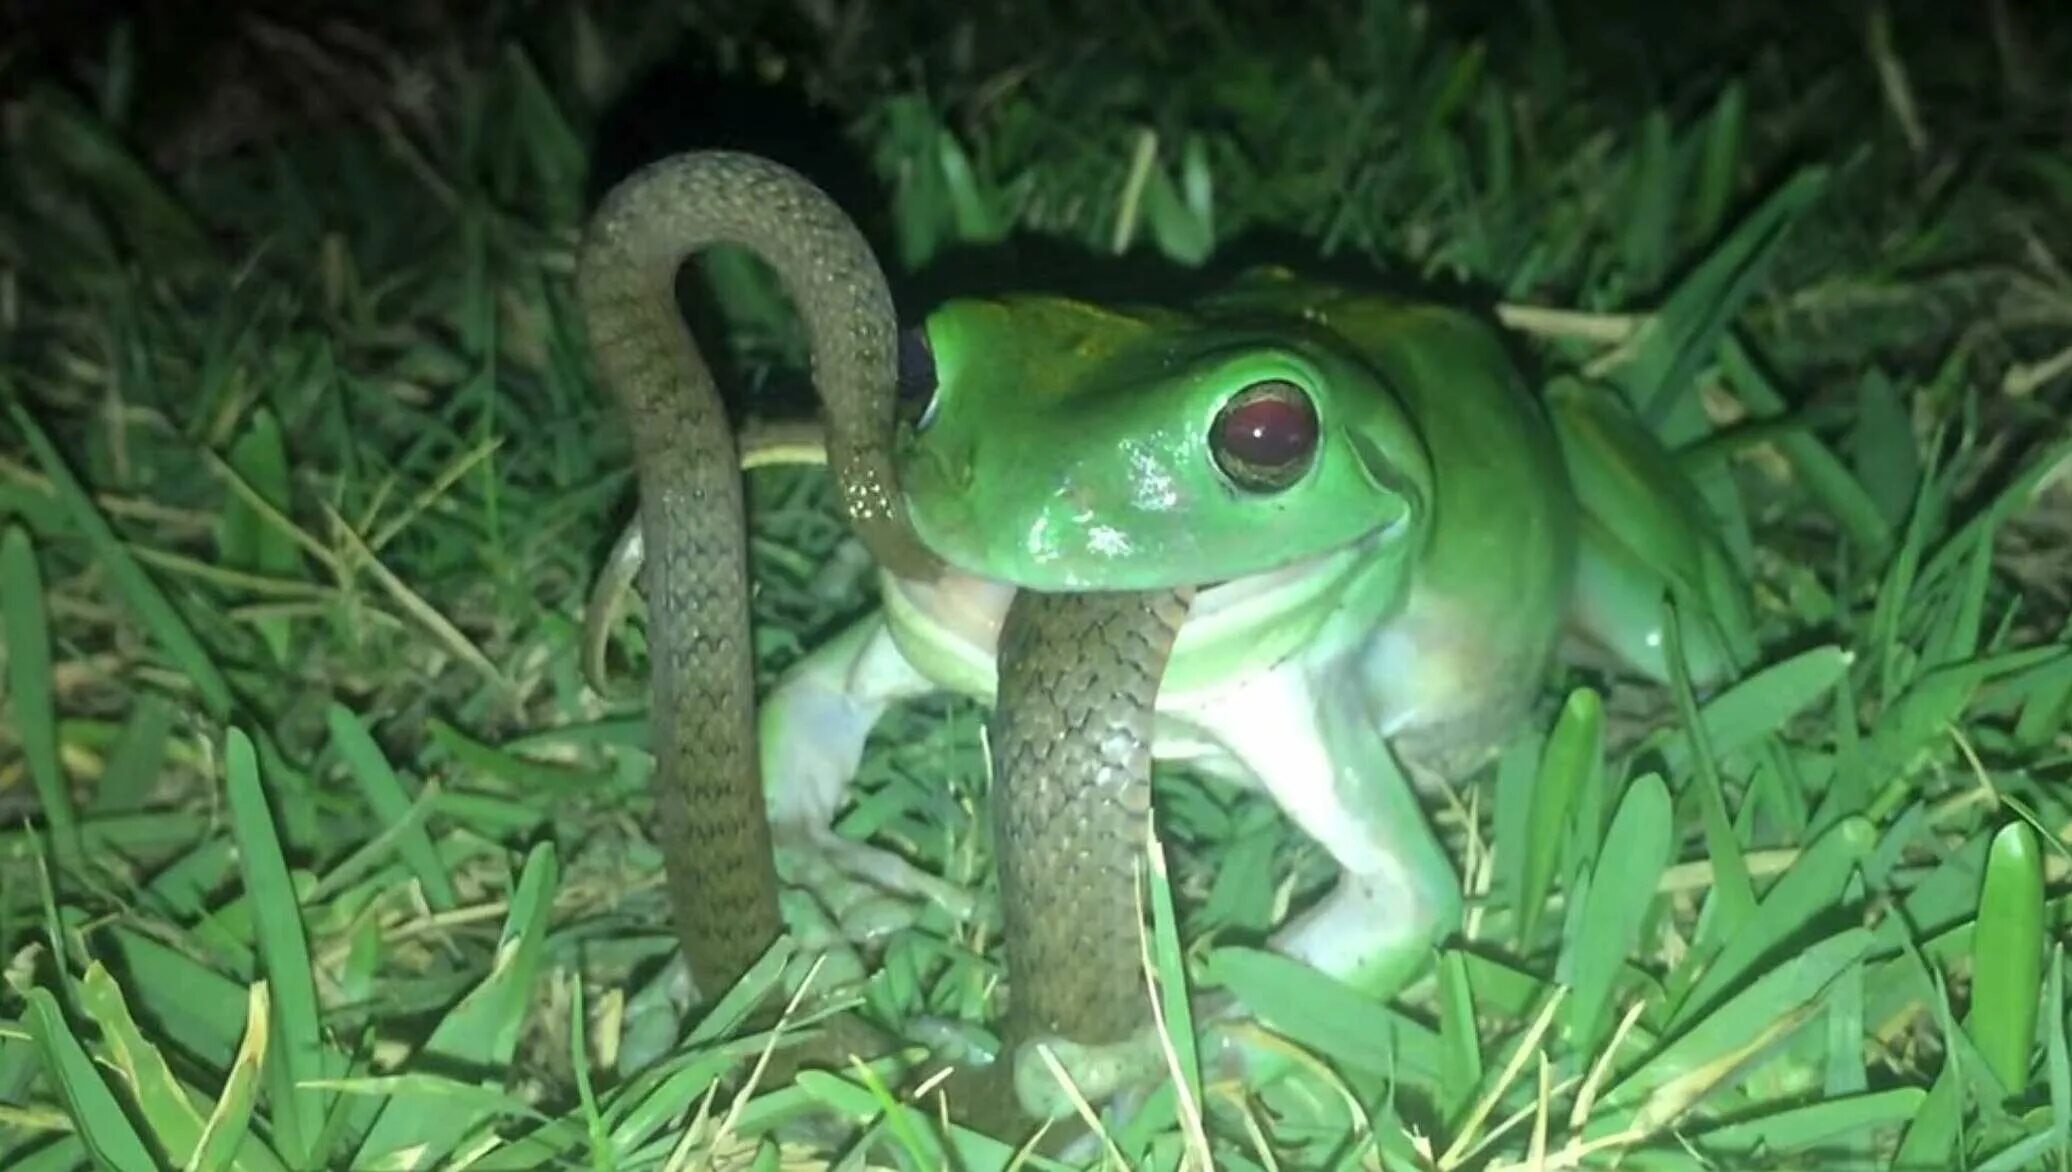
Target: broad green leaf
2007,955
167,1107
96,1114
1607,925
1811,889
1799,1128
480,1033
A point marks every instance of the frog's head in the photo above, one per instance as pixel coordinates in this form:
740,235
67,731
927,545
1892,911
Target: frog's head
1059,445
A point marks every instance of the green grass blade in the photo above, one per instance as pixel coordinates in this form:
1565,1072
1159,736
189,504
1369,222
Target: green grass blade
1882,448
165,1105
1733,893
138,756
297,1114
1325,1016
385,795
143,597
1688,327
96,1114
2057,1053
247,539
1459,1039
1761,704
1812,888
1795,1129
192,1006
1780,999
1573,764
1827,480
31,705
227,1133
1614,907
1720,161
481,1032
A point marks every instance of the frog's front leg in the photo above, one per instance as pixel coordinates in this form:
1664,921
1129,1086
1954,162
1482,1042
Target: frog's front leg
1313,743
813,729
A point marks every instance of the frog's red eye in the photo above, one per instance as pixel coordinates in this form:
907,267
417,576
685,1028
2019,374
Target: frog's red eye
1265,437
917,381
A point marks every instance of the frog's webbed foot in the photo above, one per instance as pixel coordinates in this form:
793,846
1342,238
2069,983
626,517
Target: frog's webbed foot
868,891
841,900
1118,1074
1009,1099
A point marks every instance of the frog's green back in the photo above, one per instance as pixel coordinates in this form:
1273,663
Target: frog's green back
1491,591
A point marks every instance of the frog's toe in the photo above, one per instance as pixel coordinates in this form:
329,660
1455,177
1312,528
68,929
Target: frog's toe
870,892
1116,1074
897,876
820,939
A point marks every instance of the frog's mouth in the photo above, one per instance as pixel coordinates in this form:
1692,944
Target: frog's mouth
1304,576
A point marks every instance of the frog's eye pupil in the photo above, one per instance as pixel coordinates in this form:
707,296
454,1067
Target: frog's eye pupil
917,381
1265,437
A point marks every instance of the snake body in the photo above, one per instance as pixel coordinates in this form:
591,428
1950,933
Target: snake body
1071,749
715,832
1078,673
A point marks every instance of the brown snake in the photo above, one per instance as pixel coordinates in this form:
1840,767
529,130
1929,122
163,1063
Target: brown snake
1078,673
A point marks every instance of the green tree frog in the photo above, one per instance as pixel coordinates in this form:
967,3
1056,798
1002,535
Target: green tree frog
1390,532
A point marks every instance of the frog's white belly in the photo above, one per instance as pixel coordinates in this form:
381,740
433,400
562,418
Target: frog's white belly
1259,724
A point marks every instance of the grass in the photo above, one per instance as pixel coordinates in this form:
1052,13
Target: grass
320,855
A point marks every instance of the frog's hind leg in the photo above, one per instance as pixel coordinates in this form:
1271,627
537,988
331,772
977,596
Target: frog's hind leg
1645,533
814,726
